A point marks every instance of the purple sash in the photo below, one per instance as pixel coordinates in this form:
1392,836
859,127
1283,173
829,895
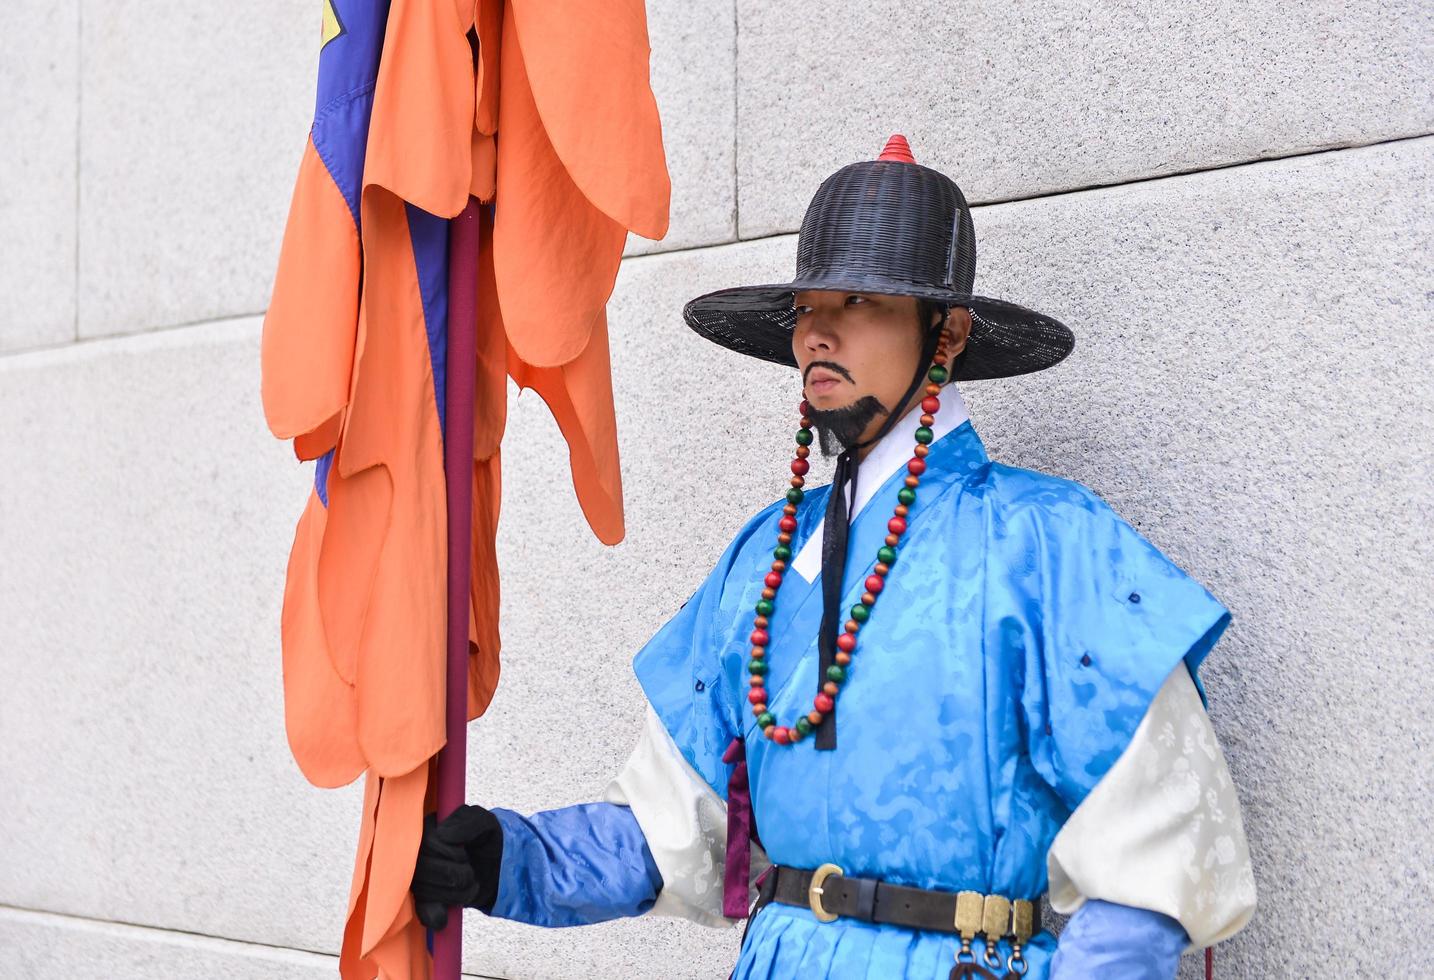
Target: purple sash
741,832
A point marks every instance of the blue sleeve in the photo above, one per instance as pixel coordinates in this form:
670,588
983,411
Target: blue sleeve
683,669
1107,618
574,866
1117,942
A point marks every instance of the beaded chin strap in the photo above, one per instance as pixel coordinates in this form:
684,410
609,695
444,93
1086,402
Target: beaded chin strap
836,650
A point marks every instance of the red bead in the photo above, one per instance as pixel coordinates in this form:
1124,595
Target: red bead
822,703
915,467
803,408
897,525
874,583
787,523
757,695
800,467
782,736
930,405
759,638
773,580
846,642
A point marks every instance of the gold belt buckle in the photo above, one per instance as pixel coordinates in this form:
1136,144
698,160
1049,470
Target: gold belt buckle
814,891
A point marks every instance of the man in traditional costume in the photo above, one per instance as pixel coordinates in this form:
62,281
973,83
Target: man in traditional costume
1010,666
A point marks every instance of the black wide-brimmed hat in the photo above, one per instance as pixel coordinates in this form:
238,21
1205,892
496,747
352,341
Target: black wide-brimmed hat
894,227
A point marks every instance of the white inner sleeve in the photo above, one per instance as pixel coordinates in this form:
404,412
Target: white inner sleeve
1162,830
685,824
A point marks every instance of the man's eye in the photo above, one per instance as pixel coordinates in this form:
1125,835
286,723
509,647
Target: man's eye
801,310
859,299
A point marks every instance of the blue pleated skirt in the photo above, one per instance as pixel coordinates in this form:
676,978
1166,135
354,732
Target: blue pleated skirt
788,943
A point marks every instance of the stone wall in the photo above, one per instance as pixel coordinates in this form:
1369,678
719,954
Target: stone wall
1228,202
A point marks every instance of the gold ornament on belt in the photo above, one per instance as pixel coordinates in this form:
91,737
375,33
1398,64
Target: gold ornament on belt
992,918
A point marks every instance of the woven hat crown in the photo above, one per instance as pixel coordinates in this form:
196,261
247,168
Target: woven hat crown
885,220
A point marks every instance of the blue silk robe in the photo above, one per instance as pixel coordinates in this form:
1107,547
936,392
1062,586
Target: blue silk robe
1023,631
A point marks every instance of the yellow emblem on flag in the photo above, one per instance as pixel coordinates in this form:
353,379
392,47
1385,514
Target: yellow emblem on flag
333,27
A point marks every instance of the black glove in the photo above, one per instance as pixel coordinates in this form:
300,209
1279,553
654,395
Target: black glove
458,863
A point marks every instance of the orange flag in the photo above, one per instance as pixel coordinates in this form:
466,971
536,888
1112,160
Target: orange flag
544,109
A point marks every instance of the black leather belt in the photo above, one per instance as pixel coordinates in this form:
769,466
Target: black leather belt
831,895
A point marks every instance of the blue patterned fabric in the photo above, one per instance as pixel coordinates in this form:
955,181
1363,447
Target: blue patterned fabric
574,866
1022,633
1116,942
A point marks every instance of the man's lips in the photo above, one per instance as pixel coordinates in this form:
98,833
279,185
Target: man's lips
822,380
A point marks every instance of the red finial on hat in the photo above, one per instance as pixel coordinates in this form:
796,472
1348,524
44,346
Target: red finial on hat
897,149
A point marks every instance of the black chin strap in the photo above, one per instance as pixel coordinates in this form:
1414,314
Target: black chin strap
837,528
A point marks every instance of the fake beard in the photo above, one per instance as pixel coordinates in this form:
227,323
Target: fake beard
839,429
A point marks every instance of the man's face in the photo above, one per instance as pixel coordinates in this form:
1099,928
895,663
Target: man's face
857,353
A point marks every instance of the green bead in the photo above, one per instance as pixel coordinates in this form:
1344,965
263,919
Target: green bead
794,495
804,437
860,612
887,554
782,553
804,726
908,497
937,374
836,672
924,435
765,607
766,719
755,666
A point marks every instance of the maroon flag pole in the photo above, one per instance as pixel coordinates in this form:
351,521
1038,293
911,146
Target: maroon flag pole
458,476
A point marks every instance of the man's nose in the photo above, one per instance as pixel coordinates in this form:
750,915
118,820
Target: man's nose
819,338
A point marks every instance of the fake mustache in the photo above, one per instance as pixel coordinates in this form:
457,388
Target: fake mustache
831,366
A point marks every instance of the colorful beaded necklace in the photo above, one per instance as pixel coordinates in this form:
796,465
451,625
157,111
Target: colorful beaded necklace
836,674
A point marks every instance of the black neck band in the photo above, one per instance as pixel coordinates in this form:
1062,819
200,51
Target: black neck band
837,528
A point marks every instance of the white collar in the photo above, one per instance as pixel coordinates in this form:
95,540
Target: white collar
885,458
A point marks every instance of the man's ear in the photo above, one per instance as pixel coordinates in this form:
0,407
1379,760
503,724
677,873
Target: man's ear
956,330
